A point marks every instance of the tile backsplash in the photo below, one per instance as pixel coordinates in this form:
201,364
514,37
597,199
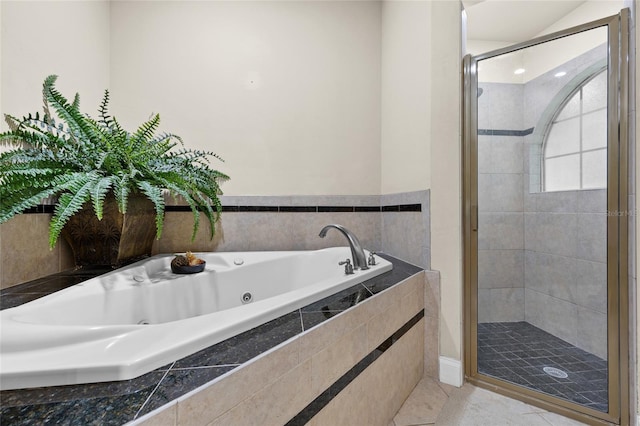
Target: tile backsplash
397,224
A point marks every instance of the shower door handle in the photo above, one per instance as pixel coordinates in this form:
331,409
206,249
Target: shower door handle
474,218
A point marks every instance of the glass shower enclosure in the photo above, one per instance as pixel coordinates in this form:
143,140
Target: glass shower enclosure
545,220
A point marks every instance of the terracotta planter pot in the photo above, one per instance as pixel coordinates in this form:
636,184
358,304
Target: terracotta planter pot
115,240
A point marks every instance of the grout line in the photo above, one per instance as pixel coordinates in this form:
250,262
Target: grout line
153,391
543,418
202,367
443,389
367,288
414,424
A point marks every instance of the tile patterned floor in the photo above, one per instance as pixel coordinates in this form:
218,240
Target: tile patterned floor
517,352
434,403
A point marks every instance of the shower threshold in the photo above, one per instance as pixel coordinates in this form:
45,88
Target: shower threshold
522,354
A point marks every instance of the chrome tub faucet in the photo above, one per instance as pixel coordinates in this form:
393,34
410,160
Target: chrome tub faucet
357,252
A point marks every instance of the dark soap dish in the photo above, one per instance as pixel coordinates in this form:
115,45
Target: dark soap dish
186,269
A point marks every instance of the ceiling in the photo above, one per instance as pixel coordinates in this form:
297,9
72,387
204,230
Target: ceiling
513,20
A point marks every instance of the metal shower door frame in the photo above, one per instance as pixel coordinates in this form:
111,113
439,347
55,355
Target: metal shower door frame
617,228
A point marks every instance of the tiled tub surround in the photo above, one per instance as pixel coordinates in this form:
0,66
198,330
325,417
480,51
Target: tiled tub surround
407,234
395,223
96,332
256,377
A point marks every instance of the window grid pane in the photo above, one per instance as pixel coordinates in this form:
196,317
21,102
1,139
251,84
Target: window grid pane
594,169
575,149
562,173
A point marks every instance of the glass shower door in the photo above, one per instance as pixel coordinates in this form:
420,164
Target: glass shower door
543,172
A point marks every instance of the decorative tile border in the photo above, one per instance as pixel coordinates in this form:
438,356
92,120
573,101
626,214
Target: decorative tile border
310,209
500,132
365,209
48,208
40,208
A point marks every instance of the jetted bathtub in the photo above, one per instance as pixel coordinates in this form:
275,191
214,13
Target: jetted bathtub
128,322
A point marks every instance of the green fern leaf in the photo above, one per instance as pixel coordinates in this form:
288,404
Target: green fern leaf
9,210
80,128
121,191
68,205
205,206
99,193
155,195
146,130
171,186
76,102
81,159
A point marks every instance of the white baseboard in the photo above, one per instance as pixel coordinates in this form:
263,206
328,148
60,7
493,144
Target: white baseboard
451,371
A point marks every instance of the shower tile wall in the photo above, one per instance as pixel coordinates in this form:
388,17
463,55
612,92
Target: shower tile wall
542,256
565,237
565,267
501,210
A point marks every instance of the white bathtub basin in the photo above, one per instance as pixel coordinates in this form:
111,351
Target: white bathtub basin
133,320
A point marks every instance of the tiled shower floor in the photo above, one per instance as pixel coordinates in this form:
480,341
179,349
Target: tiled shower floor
518,351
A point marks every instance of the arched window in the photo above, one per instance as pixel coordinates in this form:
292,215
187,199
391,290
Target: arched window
575,146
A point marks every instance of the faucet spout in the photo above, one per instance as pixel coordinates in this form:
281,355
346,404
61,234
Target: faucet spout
357,252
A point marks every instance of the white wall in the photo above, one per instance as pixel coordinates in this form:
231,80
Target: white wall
70,39
288,93
542,58
446,189
37,39
406,94
590,10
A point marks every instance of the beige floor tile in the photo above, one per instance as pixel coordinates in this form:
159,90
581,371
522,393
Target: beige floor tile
485,398
489,417
558,420
423,405
470,406
447,388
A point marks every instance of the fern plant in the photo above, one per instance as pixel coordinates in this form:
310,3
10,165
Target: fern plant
78,159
